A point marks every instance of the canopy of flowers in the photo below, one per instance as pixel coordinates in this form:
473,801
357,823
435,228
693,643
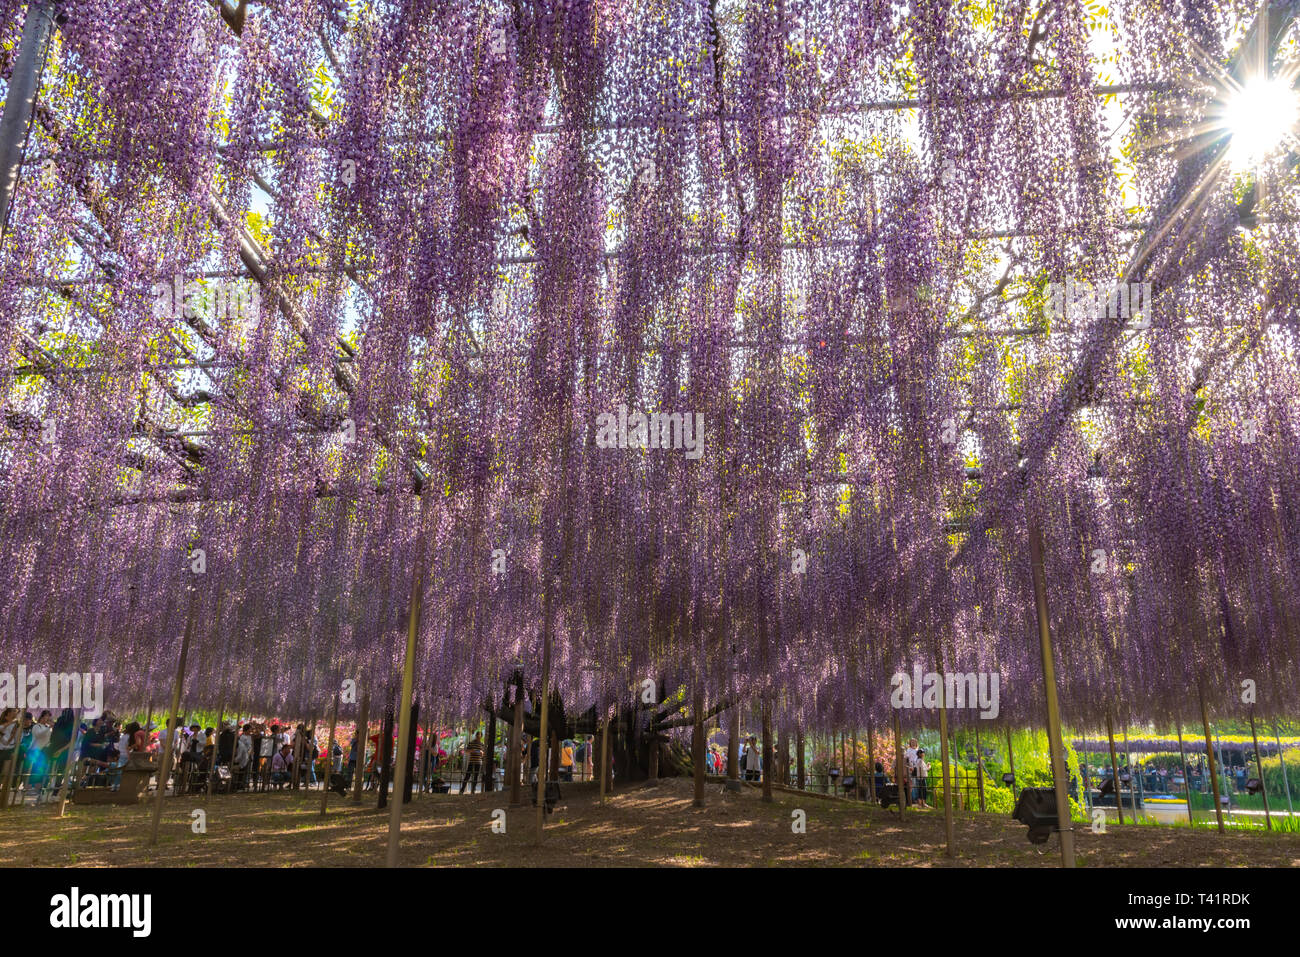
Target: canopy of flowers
296,300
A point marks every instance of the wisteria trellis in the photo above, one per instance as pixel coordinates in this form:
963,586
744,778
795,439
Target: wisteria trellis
476,225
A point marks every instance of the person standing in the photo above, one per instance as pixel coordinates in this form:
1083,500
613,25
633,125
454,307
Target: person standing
11,733
753,760
921,769
243,756
473,764
566,761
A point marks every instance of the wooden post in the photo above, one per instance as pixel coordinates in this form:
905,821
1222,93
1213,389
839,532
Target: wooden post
11,769
216,750
782,758
844,758
544,741
801,775
979,768
410,731
1187,775
1114,765
329,755
767,750
733,742
1054,739
944,759
900,769
168,734
385,757
697,746
871,760
296,771
71,762
490,752
363,739
406,740
1133,780
857,778
424,757
830,763
604,756
1209,756
557,746
516,743
949,828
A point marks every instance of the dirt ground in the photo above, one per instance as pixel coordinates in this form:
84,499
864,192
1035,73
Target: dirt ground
648,825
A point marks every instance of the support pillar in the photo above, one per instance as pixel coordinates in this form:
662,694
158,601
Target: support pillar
1054,738
1259,770
363,739
1209,755
1114,765
164,769
800,770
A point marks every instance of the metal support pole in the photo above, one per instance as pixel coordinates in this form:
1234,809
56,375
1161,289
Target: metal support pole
1054,741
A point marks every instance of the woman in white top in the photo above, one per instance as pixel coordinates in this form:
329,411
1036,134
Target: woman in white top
41,732
922,769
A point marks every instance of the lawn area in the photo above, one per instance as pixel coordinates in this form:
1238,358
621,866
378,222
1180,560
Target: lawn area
648,825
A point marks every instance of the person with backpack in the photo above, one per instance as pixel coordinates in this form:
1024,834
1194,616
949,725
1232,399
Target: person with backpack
566,761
